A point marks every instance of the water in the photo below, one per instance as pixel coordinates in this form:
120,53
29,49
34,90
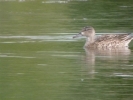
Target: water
40,60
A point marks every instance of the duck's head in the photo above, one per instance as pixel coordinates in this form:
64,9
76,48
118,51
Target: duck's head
87,31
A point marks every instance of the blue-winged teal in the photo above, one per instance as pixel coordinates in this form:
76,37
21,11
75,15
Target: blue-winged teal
104,41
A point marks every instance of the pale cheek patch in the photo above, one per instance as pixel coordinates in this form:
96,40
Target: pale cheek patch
82,33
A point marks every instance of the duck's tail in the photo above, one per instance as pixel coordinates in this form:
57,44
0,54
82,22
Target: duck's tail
128,40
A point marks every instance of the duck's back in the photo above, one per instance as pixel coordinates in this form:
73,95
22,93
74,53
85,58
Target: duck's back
119,40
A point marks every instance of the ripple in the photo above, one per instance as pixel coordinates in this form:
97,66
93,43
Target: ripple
58,52
42,38
6,56
66,55
122,75
59,37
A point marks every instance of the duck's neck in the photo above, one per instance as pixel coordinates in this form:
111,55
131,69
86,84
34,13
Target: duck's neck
89,40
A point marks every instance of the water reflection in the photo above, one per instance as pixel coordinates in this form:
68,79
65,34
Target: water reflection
97,58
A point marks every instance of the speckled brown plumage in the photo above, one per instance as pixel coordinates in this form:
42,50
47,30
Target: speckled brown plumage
104,41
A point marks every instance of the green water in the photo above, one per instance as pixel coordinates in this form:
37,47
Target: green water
39,60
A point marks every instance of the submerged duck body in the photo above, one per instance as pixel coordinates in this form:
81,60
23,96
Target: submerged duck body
104,41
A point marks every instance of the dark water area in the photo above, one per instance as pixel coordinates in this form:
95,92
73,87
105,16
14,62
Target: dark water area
40,60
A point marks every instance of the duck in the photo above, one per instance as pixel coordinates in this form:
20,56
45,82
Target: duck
104,41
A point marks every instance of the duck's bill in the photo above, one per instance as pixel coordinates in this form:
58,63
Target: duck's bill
78,35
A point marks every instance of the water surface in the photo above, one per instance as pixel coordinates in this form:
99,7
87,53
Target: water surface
40,60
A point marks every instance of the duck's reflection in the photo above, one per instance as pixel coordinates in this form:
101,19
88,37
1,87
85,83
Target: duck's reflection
102,56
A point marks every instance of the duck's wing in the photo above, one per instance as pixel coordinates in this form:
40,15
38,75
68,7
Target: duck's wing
124,37
113,40
112,37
